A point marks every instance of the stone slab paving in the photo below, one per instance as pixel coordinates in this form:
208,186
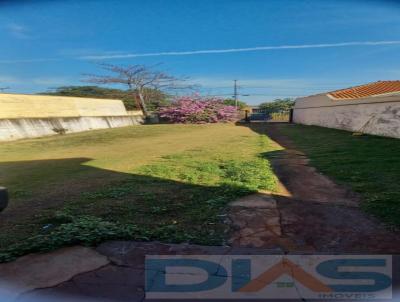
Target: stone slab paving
123,278
319,214
47,270
255,222
273,221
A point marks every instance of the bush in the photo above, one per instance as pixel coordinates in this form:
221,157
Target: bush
197,110
85,230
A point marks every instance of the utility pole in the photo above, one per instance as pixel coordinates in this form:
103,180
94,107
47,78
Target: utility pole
235,93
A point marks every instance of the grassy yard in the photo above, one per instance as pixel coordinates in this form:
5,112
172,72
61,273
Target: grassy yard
163,182
369,164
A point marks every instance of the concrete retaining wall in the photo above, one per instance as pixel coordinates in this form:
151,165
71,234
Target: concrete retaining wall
29,106
28,116
374,115
13,129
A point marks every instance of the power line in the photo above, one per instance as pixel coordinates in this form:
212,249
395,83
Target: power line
276,88
258,94
320,85
236,93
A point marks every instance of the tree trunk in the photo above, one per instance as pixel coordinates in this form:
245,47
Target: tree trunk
143,104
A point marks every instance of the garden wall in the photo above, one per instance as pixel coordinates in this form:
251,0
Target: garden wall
28,116
373,115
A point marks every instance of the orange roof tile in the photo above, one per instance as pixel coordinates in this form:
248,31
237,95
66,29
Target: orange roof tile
363,91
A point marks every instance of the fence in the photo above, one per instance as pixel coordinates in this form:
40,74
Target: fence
280,116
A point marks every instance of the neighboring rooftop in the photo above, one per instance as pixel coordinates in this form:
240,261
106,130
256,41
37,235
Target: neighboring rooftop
367,90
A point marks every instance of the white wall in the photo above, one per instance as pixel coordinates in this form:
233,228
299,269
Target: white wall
29,106
28,116
374,115
13,129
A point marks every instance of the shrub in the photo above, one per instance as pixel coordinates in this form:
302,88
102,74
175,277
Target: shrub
85,230
197,110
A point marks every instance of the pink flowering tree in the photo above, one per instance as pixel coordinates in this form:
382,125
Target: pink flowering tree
198,110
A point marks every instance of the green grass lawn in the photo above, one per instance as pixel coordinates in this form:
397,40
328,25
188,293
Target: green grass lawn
369,164
150,182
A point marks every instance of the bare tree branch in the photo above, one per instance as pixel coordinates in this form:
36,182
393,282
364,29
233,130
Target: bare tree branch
138,78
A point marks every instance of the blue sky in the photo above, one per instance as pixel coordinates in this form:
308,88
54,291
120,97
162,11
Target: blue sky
274,48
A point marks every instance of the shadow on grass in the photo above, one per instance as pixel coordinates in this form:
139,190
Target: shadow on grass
318,211
368,164
80,204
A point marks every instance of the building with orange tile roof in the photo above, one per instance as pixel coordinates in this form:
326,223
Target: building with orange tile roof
372,108
379,88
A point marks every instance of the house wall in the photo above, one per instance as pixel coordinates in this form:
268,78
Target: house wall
373,115
28,116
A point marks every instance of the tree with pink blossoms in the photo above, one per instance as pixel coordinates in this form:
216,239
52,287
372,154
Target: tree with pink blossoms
198,110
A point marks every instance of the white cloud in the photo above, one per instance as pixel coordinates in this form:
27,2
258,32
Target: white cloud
389,72
234,50
15,61
37,82
8,80
81,52
19,31
51,81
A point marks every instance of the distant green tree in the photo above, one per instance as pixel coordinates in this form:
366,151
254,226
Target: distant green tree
154,98
278,105
231,102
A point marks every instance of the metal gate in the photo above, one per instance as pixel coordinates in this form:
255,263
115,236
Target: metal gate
260,116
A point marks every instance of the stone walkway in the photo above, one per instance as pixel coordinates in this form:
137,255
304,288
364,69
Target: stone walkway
317,214
256,222
47,270
309,215
114,272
